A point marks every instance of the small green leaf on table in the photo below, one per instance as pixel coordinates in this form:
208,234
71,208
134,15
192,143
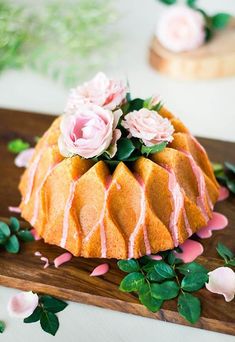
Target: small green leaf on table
49,322
224,252
35,315
52,304
147,299
230,166
132,282
2,327
194,281
164,291
164,270
4,232
169,2
25,235
17,146
192,267
220,20
12,244
189,307
14,224
128,266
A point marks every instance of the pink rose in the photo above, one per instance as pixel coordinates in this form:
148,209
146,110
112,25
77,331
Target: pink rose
22,304
149,126
101,91
222,281
89,132
181,28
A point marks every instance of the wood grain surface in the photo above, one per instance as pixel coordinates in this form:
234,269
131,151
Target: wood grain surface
72,281
213,59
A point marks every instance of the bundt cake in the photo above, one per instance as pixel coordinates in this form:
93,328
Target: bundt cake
134,207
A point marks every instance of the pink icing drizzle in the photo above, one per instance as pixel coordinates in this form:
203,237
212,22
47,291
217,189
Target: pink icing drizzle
37,193
32,171
61,259
191,250
223,193
14,210
140,223
100,270
46,261
35,234
217,222
66,214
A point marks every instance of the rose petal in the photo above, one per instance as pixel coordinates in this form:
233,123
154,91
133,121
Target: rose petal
46,262
155,257
191,250
223,193
61,259
217,222
222,281
22,304
24,157
100,270
15,209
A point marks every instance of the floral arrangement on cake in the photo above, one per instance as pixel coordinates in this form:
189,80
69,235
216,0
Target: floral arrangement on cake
102,122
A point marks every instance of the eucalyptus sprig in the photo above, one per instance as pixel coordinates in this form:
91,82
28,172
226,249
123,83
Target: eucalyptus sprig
156,281
225,174
45,312
12,234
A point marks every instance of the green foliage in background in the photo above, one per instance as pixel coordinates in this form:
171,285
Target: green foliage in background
66,39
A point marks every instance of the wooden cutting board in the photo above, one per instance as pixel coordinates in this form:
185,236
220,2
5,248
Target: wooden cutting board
72,281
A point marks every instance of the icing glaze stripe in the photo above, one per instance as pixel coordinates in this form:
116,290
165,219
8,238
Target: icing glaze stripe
140,223
66,214
186,222
37,193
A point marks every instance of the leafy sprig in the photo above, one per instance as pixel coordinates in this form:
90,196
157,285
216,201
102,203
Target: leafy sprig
11,234
226,254
156,281
2,327
45,312
17,146
225,174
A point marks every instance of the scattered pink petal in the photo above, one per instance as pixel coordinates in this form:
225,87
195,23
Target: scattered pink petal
22,304
223,193
191,250
46,262
38,253
155,257
61,259
222,281
24,157
14,210
217,222
35,234
100,270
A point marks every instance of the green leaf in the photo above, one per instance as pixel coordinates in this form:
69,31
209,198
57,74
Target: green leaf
192,267
231,262
191,3
25,235
164,270
146,298
49,322
169,2
152,275
172,260
217,167
189,307
220,20
230,166
224,251
231,185
194,281
167,290
52,304
17,146
132,282
125,148
14,224
12,245
4,232
2,327
130,265
153,149
36,315
135,104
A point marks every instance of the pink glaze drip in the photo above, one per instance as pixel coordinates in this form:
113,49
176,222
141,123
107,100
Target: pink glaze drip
46,261
37,194
32,171
66,214
191,250
140,223
118,186
100,270
178,206
35,234
155,257
61,259
217,222
14,210
100,222
223,193
199,146
37,253
201,199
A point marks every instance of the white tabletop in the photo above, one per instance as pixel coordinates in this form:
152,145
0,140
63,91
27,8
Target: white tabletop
206,107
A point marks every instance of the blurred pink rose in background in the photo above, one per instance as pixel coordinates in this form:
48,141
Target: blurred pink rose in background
181,28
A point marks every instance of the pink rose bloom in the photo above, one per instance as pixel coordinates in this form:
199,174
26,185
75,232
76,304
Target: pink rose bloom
24,157
222,281
181,28
101,91
22,304
89,132
149,126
